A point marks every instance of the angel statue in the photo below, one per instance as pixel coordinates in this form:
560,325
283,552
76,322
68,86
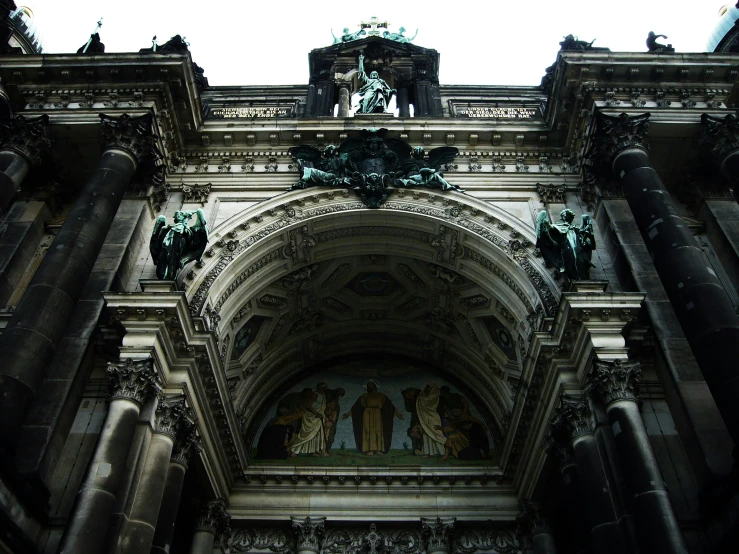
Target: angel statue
427,172
567,247
375,92
172,246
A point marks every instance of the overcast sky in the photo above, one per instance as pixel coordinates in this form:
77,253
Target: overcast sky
481,42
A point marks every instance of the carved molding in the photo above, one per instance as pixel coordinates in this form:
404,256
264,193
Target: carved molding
615,380
309,532
26,136
215,519
133,380
573,414
437,533
170,416
615,133
131,134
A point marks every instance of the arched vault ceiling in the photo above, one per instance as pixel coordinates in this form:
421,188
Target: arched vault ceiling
315,277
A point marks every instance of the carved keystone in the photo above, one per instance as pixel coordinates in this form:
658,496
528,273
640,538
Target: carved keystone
615,133
437,534
309,532
130,134
615,380
133,380
26,136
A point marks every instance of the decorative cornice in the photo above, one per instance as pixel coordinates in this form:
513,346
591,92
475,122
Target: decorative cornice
131,134
309,532
170,416
615,380
437,533
615,133
574,415
186,445
26,136
133,380
214,519
719,136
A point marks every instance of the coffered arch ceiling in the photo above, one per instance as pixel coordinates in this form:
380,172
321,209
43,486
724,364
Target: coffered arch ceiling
310,277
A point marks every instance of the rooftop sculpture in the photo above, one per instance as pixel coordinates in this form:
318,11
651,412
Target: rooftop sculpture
375,93
655,46
373,28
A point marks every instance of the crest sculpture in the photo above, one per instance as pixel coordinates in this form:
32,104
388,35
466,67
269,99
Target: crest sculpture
373,166
567,247
172,246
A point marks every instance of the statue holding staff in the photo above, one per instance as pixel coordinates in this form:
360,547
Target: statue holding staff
375,92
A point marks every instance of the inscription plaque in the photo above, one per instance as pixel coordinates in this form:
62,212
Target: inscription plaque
496,113
249,112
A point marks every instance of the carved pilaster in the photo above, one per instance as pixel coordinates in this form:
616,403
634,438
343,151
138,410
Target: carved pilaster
26,136
573,414
186,445
133,379
719,136
131,134
309,532
214,519
437,534
615,133
171,414
615,380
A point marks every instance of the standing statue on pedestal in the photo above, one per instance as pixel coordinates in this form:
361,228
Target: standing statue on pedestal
172,246
567,247
375,92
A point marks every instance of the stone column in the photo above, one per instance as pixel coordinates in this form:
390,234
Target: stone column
345,101
309,533
185,446
170,416
28,342
700,302
213,522
532,522
134,381
437,534
23,143
647,495
404,109
574,416
719,139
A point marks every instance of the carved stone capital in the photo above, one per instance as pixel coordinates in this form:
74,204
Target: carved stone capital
309,532
171,415
186,445
26,136
615,380
133,380
613,134
573,414
437,533
560,445
131,134
531,520
196,193
719,136
551,193
214,519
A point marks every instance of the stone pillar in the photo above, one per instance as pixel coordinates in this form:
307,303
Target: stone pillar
573,414
171,415
700,302
404,109
647,495
185,446
345,101
213,522
23,143
28,343
437,534
134,381
309,533
719,139
532,523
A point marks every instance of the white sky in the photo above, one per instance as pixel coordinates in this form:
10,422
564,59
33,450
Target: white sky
481,42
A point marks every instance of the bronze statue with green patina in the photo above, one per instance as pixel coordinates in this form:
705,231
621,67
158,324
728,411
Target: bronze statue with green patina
375,92
567,247
173,246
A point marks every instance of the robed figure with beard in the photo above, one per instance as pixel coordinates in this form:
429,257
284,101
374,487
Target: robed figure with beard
372,418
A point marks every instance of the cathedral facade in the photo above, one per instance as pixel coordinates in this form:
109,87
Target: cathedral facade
371,313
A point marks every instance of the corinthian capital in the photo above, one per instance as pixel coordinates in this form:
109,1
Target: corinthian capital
615,133
171,415
131,134
573,414
437,534
615,380
309,531
719,135
214,519
133,379
26,136
186,444
531,521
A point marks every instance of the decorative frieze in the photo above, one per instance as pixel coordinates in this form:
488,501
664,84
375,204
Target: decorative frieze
26,136
131,134
133,380
615,380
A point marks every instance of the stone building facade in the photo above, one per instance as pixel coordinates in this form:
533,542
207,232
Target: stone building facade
132,406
